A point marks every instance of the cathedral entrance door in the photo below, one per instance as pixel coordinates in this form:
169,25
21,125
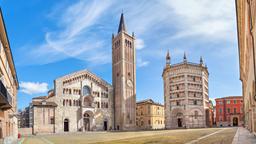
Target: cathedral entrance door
179,122
105,125
86,124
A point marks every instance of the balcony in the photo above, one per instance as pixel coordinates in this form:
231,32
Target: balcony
5,98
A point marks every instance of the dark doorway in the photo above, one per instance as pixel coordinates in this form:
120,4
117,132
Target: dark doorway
86,124
235,121
66,125
118,127
105,125
179,122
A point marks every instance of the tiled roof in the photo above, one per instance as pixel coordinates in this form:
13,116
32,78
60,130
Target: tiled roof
148,101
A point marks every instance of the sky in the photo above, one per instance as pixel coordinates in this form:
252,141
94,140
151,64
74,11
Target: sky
50,39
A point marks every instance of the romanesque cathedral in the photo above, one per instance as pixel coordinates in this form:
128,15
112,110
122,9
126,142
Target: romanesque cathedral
82,101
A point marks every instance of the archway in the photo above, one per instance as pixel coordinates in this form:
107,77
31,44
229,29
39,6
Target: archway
235,121
105,126
179,122
66,125
86,122
179,119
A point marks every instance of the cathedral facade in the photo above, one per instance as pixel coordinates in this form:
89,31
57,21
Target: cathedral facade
186,96
82,101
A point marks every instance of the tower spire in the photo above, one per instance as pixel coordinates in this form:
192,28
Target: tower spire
201,60
168,58
121,24
185,57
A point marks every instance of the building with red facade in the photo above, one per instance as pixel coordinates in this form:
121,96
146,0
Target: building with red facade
229,111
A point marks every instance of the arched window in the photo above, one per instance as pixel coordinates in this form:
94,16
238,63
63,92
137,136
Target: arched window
66,102
195,102
86,91
63,102
70,103
196,114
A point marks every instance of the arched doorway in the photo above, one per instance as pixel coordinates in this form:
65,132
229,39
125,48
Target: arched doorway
179,122
66,125
86,122
105,125
235,121
179,119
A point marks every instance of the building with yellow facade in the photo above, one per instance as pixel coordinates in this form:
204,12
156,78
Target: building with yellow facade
149,115
8,89
246,16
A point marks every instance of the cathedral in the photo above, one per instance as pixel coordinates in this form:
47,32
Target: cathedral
82,101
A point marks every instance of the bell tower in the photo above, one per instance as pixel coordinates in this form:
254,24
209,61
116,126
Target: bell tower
124,78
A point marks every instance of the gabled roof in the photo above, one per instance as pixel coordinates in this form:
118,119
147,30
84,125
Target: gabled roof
84,71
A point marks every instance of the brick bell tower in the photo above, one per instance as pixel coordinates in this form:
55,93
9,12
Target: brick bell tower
124,78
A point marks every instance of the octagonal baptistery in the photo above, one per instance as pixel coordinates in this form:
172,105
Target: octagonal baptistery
186,94
85,103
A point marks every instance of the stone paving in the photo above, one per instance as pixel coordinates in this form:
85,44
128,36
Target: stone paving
229,135
243,136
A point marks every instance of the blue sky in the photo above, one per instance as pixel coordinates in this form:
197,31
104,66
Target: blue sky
53,38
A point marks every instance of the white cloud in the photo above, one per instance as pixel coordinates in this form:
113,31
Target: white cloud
72,37
142,63
139,44
33,87
212,20
84,28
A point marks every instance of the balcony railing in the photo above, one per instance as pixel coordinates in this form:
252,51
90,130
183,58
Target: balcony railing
5,97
